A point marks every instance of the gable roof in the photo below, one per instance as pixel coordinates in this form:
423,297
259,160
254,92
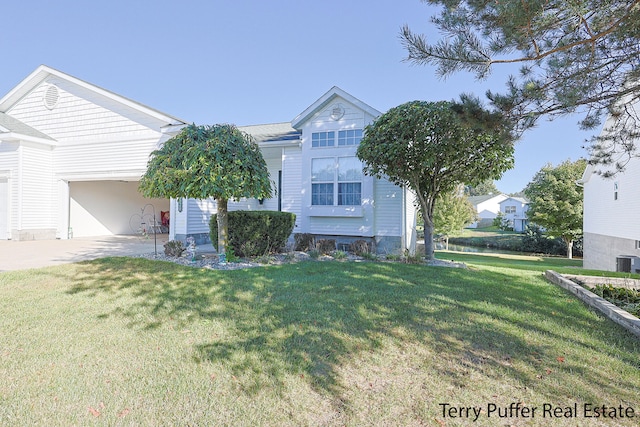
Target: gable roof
326,99
44,73
272,132
476,200
517,199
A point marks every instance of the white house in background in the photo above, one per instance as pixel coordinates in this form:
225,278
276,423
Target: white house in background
316,174
611,220
514,213
72,154
487,208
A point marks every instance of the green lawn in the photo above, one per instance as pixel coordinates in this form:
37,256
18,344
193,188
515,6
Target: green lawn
124,341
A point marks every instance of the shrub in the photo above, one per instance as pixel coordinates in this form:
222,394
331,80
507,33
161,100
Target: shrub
174,248
339,255
360,247
304,242
325,246
254,233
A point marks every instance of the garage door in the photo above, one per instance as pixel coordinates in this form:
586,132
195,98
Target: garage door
4,209
99,208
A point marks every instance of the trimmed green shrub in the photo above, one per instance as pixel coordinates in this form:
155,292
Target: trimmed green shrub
255,233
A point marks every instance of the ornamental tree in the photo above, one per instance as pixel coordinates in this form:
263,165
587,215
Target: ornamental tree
579,55
431,147
555,201
218,161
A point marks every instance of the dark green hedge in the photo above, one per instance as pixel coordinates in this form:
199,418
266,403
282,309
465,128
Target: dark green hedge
255,233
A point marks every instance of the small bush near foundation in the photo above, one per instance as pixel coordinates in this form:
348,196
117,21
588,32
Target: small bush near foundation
325,246
339,255
304,242
255,233
174,248
360,247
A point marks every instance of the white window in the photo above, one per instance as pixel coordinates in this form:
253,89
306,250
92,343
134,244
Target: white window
349,137
336,181
323,139
346,138
509,209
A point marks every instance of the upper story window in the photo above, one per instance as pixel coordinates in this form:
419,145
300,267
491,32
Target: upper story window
328,139
336,181
349,137
509,209
323,139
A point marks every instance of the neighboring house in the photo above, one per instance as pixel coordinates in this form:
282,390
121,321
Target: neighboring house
72,154
316,175
487,207
514,213
611,225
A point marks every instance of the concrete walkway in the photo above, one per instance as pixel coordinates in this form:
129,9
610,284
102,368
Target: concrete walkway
22,255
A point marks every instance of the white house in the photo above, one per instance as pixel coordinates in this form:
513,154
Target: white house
317,176
487,208
72,153
514,213
611,222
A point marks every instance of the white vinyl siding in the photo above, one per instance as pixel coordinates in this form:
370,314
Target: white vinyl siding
104,160
291,183
75,116
388,209
8,168
4,208
606,216
38,194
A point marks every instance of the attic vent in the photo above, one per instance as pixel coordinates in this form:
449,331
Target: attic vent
51,96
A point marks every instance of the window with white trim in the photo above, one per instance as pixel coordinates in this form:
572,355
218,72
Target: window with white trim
509,209
336,181
348,137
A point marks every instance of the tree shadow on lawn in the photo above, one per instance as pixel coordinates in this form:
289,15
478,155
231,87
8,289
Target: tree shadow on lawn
310,318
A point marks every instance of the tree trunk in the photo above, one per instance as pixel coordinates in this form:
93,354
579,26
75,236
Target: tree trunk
428,238
569,244
446,242
223,226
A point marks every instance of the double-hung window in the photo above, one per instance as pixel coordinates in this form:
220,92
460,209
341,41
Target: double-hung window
336,181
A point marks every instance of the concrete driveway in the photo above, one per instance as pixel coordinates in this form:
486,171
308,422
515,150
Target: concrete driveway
22,255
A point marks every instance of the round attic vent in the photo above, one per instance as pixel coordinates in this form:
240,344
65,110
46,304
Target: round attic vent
51,97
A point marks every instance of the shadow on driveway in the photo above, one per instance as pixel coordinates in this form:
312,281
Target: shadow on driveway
20,255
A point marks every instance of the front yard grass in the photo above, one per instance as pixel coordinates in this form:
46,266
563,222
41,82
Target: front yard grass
124,341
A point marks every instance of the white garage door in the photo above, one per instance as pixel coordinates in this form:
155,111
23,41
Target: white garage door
4,209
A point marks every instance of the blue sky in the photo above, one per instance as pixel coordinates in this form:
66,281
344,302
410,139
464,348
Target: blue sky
251,62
